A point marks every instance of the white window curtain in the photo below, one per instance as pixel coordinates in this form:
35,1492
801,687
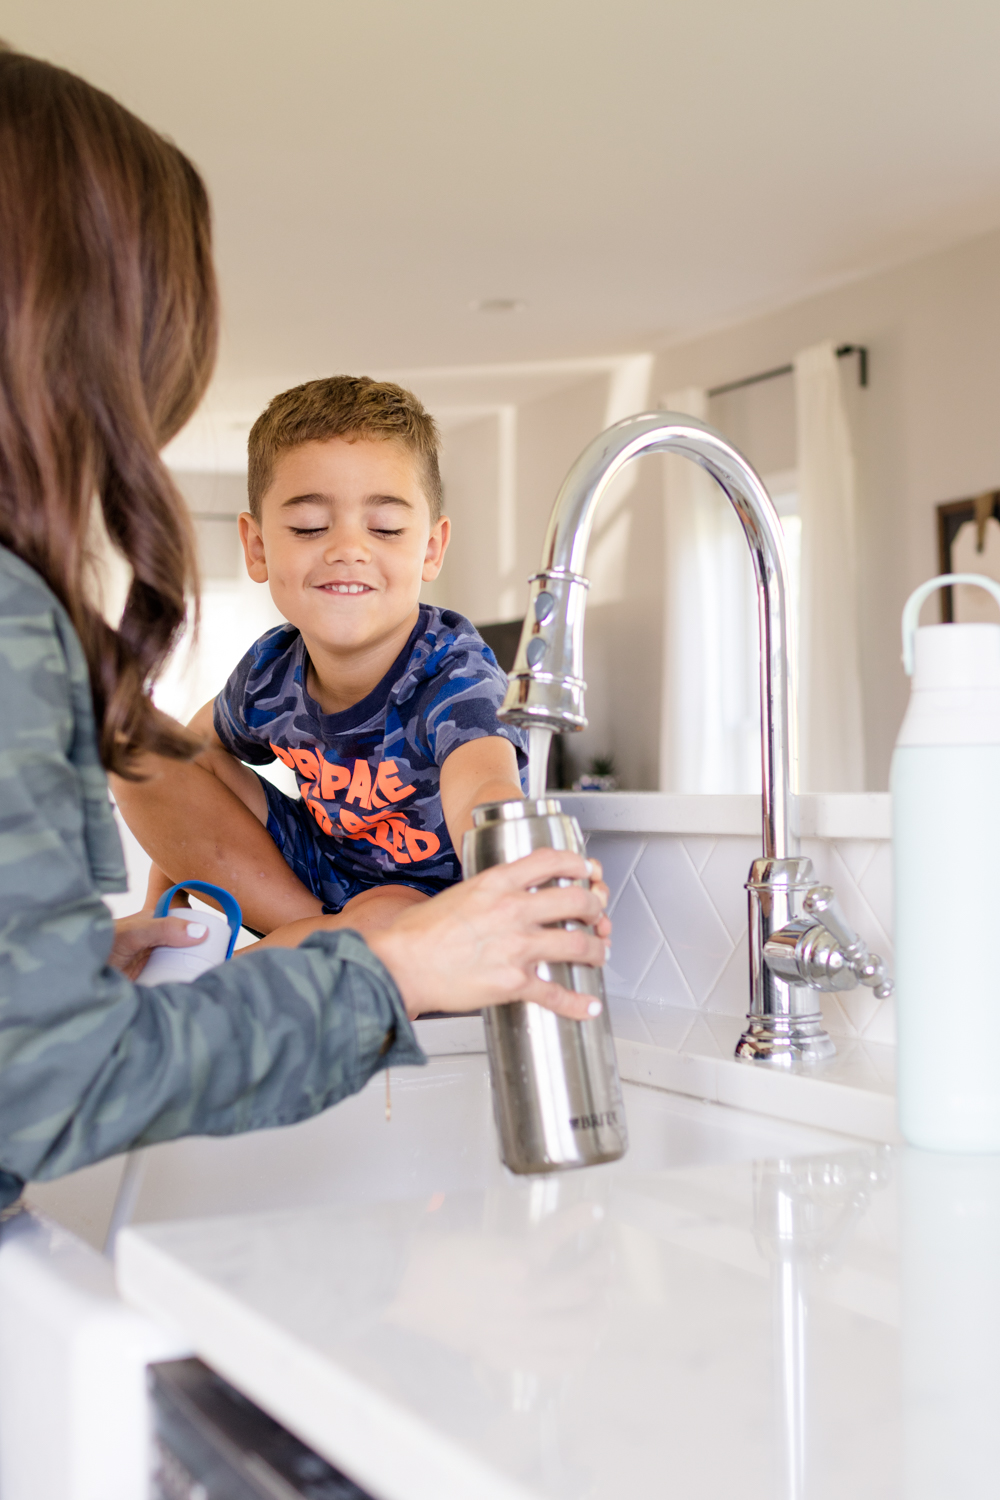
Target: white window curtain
831,736
710,718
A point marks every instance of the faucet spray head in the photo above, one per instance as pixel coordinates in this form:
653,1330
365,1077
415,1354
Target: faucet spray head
546,688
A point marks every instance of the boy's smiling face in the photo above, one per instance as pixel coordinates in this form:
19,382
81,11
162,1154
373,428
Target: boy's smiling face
344,540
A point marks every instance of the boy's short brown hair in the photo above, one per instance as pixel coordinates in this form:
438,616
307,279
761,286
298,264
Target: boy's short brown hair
344,406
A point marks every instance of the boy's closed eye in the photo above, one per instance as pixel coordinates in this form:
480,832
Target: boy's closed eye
382,531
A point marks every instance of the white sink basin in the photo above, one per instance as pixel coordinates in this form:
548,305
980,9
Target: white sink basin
440,1139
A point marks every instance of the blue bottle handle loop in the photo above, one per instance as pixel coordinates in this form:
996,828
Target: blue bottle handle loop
913,605
229,904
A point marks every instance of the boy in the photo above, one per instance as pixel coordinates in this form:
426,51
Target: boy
386,709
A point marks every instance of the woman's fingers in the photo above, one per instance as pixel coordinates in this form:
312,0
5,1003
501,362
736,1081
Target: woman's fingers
557,946
564,1002
167,932
480,942
178,932
570,903
139,933
136,937
542,866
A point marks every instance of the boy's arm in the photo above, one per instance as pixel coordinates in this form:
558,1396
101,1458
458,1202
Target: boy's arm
158,884
482,770
205,819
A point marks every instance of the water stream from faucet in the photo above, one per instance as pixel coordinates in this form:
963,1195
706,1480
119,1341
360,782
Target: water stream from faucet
538,760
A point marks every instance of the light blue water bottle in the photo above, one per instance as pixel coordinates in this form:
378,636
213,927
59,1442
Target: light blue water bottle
945,785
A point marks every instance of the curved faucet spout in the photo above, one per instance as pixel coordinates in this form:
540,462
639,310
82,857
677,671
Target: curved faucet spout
799,941
546,684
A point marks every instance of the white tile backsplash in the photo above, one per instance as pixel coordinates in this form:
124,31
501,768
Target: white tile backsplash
680,923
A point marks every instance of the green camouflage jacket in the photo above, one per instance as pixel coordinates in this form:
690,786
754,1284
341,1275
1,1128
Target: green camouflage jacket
91,1064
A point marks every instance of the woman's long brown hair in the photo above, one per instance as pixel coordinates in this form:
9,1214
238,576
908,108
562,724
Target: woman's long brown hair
108,331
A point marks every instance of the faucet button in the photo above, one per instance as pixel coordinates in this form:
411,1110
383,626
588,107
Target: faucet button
536,650
544,605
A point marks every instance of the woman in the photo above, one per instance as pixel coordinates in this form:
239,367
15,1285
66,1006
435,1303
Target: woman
108,325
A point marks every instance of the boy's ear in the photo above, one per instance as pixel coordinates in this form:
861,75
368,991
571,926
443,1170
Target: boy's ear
437,546
253,547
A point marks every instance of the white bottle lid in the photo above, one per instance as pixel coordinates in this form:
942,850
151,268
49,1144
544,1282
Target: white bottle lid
955,699
956,656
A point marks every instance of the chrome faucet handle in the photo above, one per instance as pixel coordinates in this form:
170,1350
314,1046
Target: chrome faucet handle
820,950
870,970
822,904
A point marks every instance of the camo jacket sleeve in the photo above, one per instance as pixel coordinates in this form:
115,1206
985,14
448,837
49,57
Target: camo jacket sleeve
91,1064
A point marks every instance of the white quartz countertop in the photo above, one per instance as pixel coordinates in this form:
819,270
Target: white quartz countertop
798,1316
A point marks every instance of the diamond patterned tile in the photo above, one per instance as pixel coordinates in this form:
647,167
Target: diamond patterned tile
618,854
690,892
731,994
664,982
860,1007
687,917
857,855
635,941
876,887
836,1020
820,851
667,1025
699,850
882,1059
725,1032
724,878
627,1020
882,1026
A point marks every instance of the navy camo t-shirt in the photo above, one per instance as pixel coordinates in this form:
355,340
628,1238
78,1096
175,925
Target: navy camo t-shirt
369,777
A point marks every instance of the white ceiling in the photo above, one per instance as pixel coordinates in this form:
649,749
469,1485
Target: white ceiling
632,170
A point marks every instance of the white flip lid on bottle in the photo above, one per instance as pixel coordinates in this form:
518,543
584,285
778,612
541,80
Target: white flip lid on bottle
955,696
184,964
167,965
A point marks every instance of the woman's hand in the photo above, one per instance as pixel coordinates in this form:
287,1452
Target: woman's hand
136,937
478,943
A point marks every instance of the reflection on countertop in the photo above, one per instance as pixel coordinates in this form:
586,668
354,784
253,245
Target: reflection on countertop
819,1322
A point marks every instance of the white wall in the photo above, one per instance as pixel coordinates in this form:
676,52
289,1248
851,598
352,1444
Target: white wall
470,580
926,431
234,609
623,634
927,427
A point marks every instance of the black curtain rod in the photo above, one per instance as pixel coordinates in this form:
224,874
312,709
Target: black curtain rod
842,353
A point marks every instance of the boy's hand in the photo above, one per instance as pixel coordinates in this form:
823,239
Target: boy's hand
136,937
479,943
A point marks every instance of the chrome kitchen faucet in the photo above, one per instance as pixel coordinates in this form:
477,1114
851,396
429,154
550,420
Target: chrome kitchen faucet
792,955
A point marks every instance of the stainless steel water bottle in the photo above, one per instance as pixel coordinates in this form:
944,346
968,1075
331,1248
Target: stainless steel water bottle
557,1099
